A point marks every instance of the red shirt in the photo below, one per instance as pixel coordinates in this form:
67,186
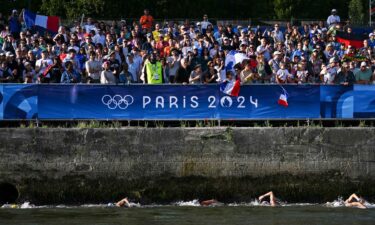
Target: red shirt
146,21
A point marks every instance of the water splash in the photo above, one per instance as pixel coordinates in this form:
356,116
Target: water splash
193,203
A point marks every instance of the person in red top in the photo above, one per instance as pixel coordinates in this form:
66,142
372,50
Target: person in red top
146,20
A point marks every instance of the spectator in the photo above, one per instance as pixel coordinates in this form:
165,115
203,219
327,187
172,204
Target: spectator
333,19
364,75
183,72
70,75
15,24
42,67
93,69
153,71
107,76
125,76
345,76
146,21
277,34
205,23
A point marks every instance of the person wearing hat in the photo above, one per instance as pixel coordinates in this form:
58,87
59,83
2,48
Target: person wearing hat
72,56
371,40
107,76
364,75
115,64
328,73
29,74
88,42
274,63
196,75
333,19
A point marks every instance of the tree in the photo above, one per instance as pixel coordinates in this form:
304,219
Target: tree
284,8
356,15
73,9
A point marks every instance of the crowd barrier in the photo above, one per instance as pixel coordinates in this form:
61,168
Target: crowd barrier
183,102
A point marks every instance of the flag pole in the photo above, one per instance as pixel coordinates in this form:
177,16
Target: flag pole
369,8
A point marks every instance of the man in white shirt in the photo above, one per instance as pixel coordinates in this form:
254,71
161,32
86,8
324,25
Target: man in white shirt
333,19
277,34
42,64
89,26
205,23
264,49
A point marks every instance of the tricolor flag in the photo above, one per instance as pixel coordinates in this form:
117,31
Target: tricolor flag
231,88
232,58
283,99
50,23
355,40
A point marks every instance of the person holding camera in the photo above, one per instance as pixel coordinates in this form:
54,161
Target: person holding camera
42,65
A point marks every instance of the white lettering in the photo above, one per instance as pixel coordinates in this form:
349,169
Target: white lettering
159,101
194,102
173,102
212,101
255,103
146,101
241,101
184,102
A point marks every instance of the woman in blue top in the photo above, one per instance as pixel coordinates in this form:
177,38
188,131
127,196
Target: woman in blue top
70,75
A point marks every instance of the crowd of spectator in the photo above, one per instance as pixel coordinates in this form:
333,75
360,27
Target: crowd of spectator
187,53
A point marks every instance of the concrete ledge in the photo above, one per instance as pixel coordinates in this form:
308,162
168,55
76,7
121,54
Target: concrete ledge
96,165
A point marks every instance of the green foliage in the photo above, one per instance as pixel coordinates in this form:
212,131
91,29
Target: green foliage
284,8
356,14
73,9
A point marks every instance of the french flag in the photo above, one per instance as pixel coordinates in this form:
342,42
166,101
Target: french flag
283,99
231,88
50,23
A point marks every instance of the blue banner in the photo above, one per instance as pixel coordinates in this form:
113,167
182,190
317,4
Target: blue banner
183,102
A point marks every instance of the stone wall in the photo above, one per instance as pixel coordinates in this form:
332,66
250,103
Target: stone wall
167,164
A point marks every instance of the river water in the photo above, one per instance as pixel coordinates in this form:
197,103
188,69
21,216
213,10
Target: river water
186,213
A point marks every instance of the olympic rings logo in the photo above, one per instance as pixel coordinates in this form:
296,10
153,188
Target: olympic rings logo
117,101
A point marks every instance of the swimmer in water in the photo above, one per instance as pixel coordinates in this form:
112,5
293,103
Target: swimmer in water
123,203
273,201
210,202
355,201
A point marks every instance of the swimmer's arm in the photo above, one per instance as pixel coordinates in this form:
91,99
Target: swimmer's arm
350,199
265,195
358,205
123,202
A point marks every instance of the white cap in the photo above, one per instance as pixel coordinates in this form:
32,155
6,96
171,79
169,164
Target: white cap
332,60
363,64
334,10
371,34
244,43
199,23
277,53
